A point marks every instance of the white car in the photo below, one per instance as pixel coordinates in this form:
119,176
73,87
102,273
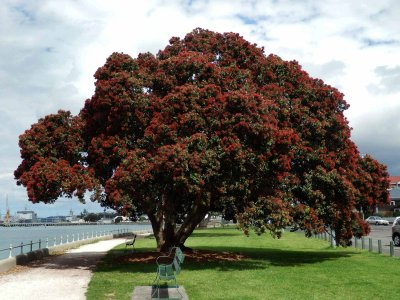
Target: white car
377,221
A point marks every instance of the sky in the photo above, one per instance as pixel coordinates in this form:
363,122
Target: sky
49,51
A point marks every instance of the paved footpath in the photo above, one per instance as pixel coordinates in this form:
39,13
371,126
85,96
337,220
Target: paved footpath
56,277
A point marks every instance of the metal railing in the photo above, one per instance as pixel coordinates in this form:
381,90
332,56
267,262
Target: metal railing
64,239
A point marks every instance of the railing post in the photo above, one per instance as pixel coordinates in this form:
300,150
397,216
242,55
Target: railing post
31,246
22,247
55,242
10,250
73,237
40,244
379,246
391,248
47,242
370,244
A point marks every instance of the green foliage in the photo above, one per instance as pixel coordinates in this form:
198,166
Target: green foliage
210,123
92,217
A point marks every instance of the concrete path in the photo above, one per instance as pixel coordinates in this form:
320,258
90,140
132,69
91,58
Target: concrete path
56,277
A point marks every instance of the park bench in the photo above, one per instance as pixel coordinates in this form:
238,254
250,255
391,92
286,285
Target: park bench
130,242
168,268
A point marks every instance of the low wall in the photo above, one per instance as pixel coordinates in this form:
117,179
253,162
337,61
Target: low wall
7,264
23,259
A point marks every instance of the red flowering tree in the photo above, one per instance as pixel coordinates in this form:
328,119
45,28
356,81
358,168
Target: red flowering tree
208,124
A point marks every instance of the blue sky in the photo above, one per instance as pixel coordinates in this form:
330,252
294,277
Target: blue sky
50,50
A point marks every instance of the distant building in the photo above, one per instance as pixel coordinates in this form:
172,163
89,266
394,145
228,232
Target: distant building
25,216
54,219
71,217
394,181
395,197
118,219
394,193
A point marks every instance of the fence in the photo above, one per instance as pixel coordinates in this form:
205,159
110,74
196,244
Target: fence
364,243
61,241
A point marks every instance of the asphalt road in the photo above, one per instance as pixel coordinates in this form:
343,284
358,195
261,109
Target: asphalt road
383,233
378,232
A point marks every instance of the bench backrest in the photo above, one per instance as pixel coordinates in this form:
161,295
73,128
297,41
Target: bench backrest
179,255
177,266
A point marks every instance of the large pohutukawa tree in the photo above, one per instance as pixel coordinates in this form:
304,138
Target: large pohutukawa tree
208,124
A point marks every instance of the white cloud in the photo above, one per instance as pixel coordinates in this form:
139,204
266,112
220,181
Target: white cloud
51,49
389,80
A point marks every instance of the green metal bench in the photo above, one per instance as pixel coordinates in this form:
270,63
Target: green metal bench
168,271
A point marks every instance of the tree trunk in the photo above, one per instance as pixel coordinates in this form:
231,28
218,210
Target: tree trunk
190,223
164,227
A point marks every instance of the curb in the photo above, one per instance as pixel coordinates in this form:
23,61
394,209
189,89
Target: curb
7,264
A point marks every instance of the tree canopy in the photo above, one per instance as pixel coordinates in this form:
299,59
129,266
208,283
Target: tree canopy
210,123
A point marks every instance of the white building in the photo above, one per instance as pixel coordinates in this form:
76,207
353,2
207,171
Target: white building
25,216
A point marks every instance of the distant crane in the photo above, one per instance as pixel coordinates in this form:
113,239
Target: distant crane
7,217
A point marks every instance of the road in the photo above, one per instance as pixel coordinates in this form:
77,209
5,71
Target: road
383,233
378,232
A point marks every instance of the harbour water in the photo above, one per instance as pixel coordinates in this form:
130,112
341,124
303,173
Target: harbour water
17,235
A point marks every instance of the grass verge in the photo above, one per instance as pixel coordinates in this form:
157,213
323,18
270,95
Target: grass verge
292,267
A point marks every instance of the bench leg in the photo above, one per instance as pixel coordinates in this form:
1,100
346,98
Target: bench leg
177,288
156,284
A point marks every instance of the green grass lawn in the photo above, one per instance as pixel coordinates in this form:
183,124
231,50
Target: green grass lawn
292,267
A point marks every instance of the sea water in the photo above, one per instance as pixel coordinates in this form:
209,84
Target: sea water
50,235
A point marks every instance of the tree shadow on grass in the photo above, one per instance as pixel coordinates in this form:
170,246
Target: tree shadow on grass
283,257
227,259
210,234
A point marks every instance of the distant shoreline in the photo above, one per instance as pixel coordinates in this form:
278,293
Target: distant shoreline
69,224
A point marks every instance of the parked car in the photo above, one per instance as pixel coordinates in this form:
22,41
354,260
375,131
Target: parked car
377,220
396,232
395,221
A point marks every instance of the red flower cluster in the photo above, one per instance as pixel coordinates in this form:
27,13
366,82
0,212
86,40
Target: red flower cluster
208,124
